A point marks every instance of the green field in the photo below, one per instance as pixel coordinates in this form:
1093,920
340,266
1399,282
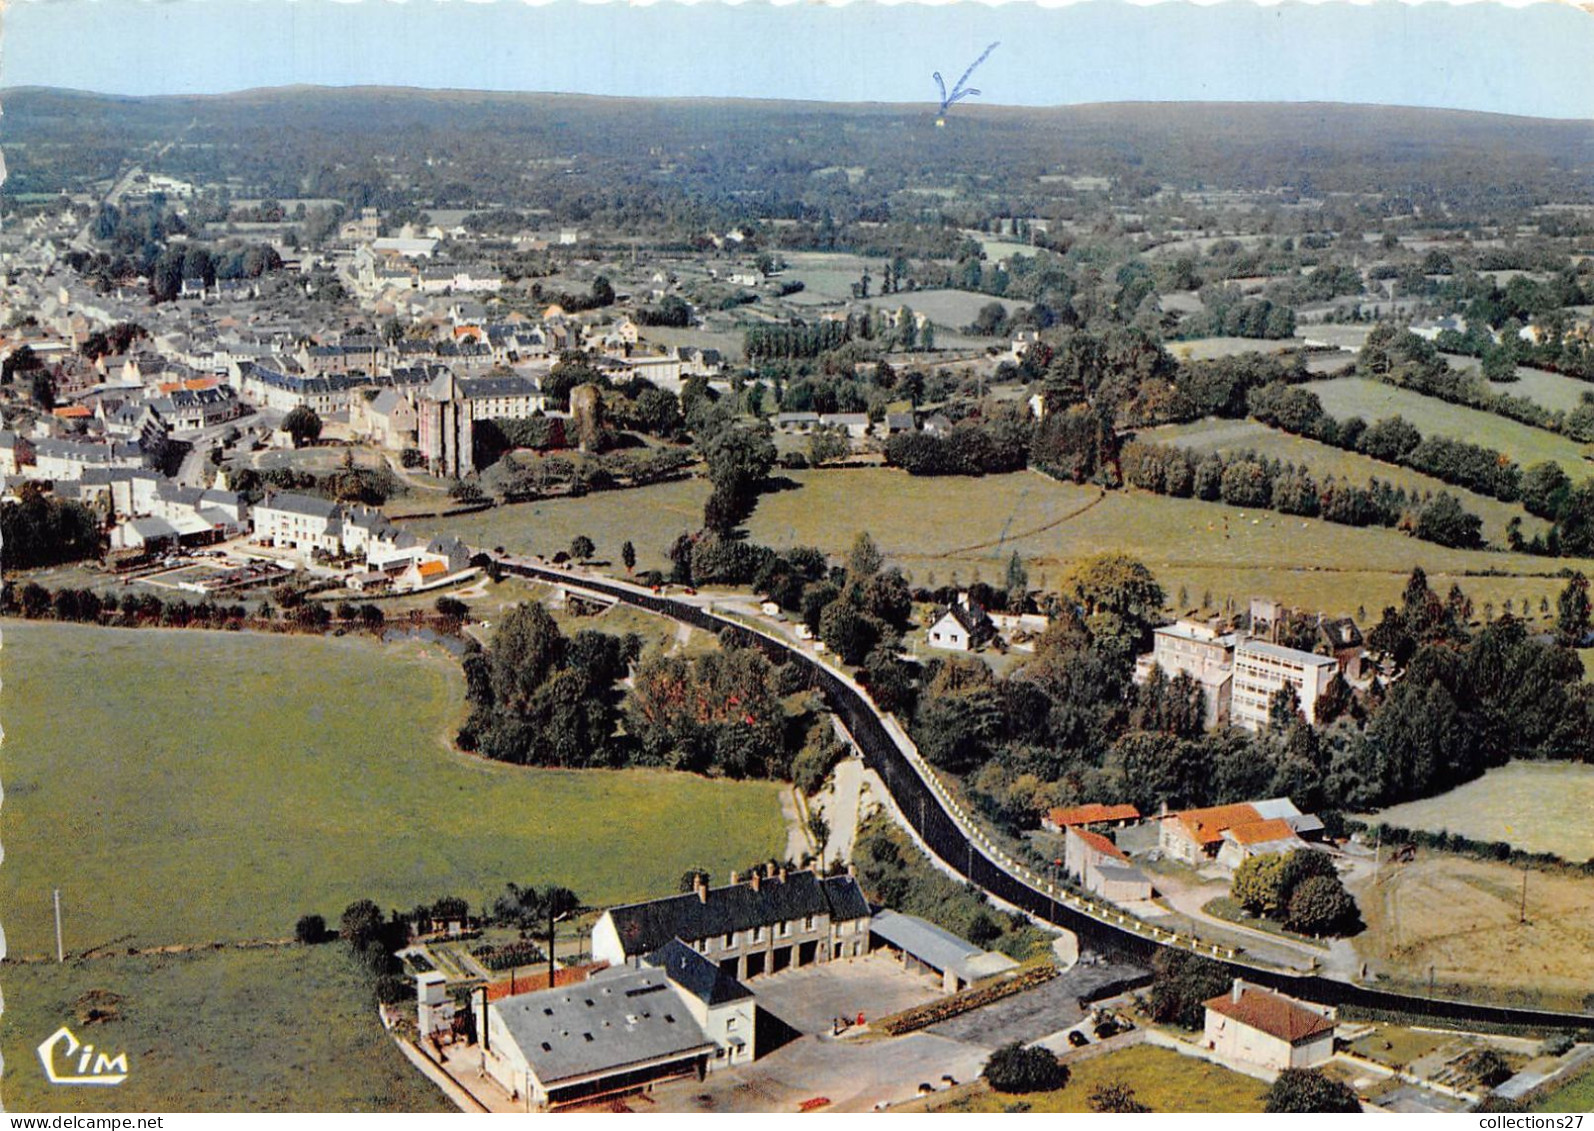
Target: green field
1372,400
1587,656
232,1030
184,786
1162,1079
1241,435
949,309
958,529
649,517
1536,806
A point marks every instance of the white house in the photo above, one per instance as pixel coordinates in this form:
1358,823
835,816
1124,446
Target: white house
961,628
1269,1030
300,522
1101,866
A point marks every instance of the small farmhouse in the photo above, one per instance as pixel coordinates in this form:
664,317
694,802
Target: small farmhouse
1269,1030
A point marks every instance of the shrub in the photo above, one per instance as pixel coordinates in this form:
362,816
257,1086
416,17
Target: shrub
310,929
1015,1068
1306,1090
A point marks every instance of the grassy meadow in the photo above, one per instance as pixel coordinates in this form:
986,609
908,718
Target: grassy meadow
961,529
289,1029
1535,806
1373,400
1214,435
186,786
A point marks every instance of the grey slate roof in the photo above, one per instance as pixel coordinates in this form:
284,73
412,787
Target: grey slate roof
603,1024
301,504
646,927
696,975
934,946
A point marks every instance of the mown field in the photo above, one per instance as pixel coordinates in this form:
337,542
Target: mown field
291,1029
1372,400
1460,918
1552,390
1214,435
183,787
1162,1080
1536,806
960,530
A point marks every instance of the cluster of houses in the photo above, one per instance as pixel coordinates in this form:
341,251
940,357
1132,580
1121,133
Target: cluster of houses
1239,672
311,527
1227,835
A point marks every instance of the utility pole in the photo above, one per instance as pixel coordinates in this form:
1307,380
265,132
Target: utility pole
60,951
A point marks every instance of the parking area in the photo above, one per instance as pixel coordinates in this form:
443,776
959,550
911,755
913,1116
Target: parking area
852,1075
811,998
1036,1013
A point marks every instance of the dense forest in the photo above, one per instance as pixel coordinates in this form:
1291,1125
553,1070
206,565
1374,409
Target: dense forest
708,161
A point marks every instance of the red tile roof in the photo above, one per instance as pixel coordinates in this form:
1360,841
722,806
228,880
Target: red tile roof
1273,1014
1206,826
1099,843
1092,814
1262,832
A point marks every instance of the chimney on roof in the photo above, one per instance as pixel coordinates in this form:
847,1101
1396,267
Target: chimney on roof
1237,991
700,885
736,877
852,869
758,874
783,873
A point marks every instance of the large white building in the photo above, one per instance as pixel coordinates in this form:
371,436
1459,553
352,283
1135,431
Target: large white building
670,1014
300,522
1262,670
1199,651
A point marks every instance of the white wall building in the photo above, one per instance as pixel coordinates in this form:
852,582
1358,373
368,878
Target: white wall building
1261,670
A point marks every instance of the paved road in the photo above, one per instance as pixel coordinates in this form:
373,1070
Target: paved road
938,821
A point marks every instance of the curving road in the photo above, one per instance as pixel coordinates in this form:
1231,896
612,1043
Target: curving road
942,824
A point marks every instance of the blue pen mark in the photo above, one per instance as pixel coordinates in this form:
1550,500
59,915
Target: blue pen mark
959,91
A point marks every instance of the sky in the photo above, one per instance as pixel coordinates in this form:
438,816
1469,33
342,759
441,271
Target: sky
1535,60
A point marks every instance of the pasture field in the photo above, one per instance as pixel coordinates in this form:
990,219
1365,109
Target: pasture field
282,1029
1214,435
649,517
1535,806
946,529
949,529
1372,401
1459,918
828,276
949,308
185,787
1552,390
1162,1080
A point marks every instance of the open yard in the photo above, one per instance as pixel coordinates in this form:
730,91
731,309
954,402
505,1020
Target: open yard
292,1029
1536,806
1162,1080
184,786
951,309
1460,918
1372,401
946,529
1233,436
